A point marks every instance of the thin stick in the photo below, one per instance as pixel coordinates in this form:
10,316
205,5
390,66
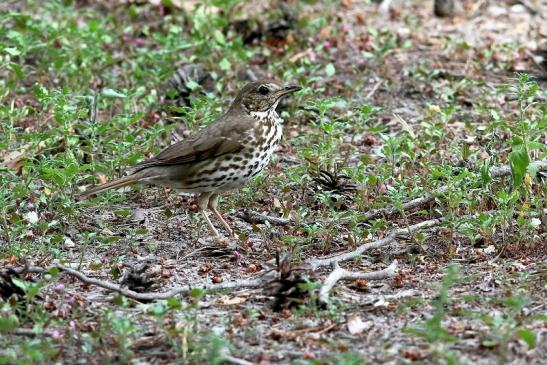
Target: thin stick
255,218
147,296
373,91
342,274
495,172
326,261
29,332
237,361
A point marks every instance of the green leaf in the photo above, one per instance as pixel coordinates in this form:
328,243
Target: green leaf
225,64
8,323
174,303
532,169
12,51
330,70
536,146
23,285
377,129
115,271
488,343
122,212
485,173
197,293
192,85
533,88
219,37
120,301
527,336
96,265
32,291
519,161
111,93
18,70
156,309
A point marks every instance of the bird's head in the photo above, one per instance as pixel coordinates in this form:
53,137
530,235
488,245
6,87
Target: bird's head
262,95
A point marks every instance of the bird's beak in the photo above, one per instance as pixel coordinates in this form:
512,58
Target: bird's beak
288,89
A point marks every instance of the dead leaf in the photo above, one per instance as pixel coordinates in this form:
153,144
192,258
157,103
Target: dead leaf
381,302
102,179
14,160
356,324
252,268
239,320
278,335
346,3
225,300
217,279
166,273
405,125
324,33
139,215
456,328
289,39
411,354
286,313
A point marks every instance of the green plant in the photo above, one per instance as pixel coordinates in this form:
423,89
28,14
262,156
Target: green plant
432,329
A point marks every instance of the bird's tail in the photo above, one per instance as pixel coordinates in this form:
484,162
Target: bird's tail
118,183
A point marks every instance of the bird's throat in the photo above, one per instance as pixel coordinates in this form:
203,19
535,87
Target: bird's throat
267,115
264,116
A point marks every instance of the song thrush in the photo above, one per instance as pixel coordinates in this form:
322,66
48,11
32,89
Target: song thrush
223,156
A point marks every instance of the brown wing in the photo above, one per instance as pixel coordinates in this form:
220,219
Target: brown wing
217,139
185,152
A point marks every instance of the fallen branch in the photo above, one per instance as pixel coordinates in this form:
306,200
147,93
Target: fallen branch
148,296
495,172
342,274
236,360
258,218
330,260
29,332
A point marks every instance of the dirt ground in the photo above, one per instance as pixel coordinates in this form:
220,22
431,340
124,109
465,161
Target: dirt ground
375,322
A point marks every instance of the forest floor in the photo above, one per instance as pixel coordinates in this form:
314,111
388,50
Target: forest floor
395,106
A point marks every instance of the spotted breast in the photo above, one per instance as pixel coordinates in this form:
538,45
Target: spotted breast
259,146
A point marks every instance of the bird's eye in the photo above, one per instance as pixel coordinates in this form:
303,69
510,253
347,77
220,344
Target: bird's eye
263,90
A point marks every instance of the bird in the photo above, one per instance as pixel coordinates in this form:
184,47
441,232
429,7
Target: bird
221,157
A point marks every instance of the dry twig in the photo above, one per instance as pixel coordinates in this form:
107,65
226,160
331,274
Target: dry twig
330,260
256,218
495,172
342,274
147,296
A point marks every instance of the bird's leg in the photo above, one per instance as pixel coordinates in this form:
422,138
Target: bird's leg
203,201
213,203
